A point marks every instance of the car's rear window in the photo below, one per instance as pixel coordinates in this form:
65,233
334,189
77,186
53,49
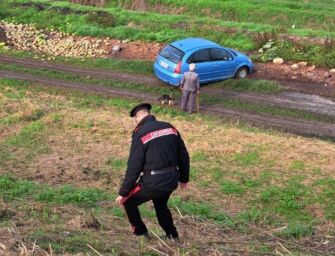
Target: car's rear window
172,53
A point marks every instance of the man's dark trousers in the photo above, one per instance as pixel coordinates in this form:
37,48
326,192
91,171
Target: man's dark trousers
160,199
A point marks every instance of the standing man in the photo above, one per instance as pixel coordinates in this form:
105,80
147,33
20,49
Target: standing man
190,87
159,153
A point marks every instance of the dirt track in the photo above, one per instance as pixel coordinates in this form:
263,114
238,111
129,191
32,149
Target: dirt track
294,100
300,127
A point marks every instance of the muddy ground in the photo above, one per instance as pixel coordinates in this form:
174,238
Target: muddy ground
307,88
291,98
301,127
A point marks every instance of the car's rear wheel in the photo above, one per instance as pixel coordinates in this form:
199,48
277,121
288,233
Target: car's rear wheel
242,73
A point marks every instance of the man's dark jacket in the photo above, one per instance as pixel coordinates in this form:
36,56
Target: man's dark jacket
156,145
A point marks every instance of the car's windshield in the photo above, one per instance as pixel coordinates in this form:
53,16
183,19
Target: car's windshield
172,54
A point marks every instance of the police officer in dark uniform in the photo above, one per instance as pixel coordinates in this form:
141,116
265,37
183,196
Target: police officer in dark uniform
159,154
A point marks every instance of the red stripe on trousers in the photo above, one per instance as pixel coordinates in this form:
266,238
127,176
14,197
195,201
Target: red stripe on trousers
131,193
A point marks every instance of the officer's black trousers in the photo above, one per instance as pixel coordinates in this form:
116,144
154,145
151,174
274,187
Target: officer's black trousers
160,199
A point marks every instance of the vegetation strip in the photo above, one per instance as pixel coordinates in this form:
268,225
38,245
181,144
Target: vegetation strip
271,181
148,26
318,129
321,108
13,189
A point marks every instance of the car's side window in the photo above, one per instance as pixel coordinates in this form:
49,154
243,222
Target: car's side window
220,54
199,56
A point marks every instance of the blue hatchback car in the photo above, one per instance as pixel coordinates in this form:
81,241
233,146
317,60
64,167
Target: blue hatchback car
213,62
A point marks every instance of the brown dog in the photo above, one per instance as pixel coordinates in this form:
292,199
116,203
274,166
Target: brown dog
167,99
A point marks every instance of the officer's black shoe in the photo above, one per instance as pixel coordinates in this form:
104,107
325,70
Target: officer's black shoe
145,235
174,238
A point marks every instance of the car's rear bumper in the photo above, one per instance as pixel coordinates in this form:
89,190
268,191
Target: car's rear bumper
161,74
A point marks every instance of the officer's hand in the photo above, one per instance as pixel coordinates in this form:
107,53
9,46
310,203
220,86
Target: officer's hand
119,200
183,185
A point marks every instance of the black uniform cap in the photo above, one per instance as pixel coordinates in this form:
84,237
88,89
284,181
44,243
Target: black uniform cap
139,107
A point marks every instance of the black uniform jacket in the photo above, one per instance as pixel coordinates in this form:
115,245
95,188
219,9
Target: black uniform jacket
156,145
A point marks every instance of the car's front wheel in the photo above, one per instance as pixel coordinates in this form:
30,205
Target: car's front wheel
242,73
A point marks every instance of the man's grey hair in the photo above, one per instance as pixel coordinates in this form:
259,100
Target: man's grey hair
192,67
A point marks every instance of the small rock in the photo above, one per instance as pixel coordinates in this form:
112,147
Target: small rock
302,63
116,48
332,70
311,68
278,61
261,50
326,75
294,66
94,129
294,77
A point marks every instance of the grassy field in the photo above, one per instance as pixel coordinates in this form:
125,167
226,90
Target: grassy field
238,24
63,156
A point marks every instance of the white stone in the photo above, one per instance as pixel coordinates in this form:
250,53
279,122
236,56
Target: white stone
295,66
332,70
302,63
311,68
278,61
116,48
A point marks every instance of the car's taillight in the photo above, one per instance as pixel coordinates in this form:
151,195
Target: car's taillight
177,70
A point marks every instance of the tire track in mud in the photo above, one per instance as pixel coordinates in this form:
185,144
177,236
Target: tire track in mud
295,100
306,128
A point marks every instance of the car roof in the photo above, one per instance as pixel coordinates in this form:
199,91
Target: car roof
191,43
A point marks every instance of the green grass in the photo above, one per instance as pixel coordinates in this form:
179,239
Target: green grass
250,158
265,109
234,22
262,86
262,193
158,90
287,201
117,164
130,66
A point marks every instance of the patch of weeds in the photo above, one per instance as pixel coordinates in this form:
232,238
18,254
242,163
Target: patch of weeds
194,173
296,230
35,115
5,156
217,174
288,201
202,210
231,187
250,183
247,159
297,165
200,156
266,176
67,194
28,136
56,118
203,183
117,163
11,188
327,196
250,216
117,211
261,86
101,18
61,241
